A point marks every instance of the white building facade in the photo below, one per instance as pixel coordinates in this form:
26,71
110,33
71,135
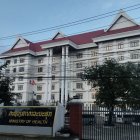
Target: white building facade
49,71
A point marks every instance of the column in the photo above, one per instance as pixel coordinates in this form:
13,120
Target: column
100,53
50,75
66,73
62,75
75,114
47,75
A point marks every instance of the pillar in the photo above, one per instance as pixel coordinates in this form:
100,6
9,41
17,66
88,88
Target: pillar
47,75
75,112
50,74
62,75
66,73
49,54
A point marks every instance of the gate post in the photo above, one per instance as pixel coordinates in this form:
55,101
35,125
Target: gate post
75,114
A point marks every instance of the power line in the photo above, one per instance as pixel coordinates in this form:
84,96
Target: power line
74,33
101,16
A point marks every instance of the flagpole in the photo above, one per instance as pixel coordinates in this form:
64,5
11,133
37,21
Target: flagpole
32,82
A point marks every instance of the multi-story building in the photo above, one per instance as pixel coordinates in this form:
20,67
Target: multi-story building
50,70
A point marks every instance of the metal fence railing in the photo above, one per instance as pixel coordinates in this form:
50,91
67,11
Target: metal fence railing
125,123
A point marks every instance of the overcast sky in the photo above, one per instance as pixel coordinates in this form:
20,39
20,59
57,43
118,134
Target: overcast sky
21,16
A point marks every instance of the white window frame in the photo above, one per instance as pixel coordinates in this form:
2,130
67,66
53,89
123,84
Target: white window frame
19,97
53,68
135,56
20,87
22,60
94,63
39,78
20,78
79,85
21,69
109,47
94,53
79,55
120,58
40,60
53,86
79,65
13,87
39,87
38,95
134,43
14,70
79,95
40,69
120,45
79,74
15,61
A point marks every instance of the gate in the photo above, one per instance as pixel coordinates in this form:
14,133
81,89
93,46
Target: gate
126,124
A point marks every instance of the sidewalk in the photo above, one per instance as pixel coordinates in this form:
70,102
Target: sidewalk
14,137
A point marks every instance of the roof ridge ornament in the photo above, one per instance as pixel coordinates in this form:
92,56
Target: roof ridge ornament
119,15
59,34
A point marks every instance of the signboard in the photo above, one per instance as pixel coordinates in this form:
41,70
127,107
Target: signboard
27,116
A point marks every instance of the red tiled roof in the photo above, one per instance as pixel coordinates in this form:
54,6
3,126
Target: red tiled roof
33,47
121,30
85,37
77,39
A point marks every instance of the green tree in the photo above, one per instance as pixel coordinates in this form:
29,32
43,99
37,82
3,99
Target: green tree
133,98
6,96
114,82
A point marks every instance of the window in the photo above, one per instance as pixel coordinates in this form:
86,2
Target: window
53,87
8,61
13,79
53,68
53,59
79,95
134,43
79,55
39,88
52,96
14,69
15,61
39,79
79,85
120,45
79,75
88,82
93,96
19,97
20,78
109,48
20,87
93,63
39,97
78,65
135,56
7,71
40,60
13,88
40,69
53,77
121,58
21,69
22,60
94,53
